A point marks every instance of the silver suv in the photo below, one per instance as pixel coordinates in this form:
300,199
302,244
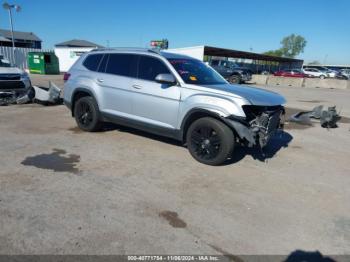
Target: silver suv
170,95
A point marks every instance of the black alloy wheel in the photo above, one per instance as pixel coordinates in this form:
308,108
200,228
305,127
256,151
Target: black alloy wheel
86,114
210,141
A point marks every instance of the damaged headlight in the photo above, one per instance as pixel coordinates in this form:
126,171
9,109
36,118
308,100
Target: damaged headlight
260,123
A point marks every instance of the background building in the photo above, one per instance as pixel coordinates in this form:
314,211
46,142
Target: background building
68,52
21,39
257,63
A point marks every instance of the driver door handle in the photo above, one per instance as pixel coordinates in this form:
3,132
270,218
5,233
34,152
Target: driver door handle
100,80
137,86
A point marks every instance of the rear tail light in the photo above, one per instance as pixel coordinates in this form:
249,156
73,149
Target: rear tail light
66,76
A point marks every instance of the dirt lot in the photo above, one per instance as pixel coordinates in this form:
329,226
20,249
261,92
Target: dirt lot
121,191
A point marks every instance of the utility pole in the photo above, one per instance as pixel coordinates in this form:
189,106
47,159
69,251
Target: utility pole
9,7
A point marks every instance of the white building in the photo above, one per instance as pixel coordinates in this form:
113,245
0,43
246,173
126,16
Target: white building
68,52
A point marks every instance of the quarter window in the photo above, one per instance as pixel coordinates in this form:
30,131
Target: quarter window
103,64
122,64
92,62
150,67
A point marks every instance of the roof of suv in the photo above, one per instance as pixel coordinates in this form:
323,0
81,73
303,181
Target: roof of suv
140,51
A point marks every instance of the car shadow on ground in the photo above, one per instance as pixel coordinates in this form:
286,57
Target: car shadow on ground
277,142
295,256
306,256
115,127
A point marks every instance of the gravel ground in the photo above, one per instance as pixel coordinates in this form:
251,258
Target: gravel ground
121,191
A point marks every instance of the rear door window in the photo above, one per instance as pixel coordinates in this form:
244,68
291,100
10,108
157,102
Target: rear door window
122,64
92,62
150,67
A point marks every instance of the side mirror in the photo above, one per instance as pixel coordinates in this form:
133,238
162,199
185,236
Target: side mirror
165,79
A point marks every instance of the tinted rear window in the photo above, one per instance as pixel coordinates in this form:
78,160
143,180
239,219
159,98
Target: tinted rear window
122,64
150,67
92,62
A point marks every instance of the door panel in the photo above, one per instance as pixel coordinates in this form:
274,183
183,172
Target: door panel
153,102
115,93
116,81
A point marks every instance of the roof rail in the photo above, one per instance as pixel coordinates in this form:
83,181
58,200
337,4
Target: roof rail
126,49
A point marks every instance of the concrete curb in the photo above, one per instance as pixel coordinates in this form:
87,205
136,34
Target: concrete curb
300,82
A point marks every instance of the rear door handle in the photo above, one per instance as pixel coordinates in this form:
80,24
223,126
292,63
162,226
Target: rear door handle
136,86
100,80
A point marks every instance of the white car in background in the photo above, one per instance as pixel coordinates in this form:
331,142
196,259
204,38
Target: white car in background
332,73
345,72
314,72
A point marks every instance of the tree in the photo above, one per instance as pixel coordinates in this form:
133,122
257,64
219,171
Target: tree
292,46
277,52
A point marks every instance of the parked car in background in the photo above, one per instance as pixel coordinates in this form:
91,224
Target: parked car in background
329,72
332,73
314,72
13,79
171,95
231,71
290,73
345,73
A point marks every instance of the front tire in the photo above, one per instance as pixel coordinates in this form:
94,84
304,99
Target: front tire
322,77
87,114
210,141
235,79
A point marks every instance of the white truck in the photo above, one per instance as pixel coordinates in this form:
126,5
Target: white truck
12,79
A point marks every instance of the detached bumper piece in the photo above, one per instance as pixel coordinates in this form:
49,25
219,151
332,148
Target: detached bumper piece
45,96
49,96
328,118
260,124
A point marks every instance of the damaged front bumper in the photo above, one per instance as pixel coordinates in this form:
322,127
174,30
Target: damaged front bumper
259,125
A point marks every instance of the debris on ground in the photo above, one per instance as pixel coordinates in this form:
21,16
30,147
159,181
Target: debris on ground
40,95
7,98
27,97
48,96
328,118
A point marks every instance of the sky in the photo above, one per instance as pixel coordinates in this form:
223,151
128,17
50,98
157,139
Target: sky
252,25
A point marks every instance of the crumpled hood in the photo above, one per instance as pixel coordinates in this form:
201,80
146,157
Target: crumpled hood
10,70
255,96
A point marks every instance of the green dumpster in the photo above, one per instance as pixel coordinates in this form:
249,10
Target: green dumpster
44,63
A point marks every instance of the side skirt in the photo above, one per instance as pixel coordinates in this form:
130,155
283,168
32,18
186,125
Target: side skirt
161,131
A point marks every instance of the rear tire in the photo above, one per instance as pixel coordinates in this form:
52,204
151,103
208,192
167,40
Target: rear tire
210,141
322,77
87,114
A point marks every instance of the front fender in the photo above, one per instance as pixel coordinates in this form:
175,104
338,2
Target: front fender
218,105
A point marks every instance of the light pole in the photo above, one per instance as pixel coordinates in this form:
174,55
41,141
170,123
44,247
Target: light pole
9,7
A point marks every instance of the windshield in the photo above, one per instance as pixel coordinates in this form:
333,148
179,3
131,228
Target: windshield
195,72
